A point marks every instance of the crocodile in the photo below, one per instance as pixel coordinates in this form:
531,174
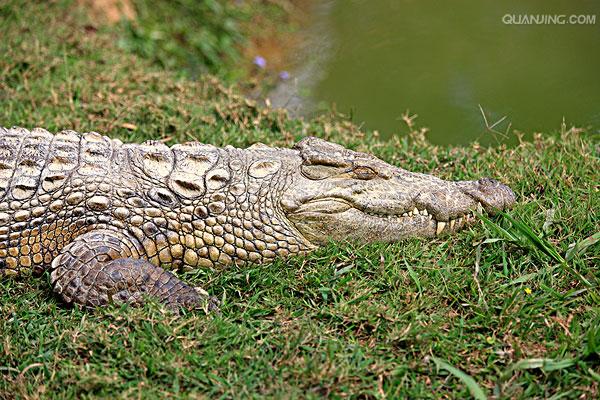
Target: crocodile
114,222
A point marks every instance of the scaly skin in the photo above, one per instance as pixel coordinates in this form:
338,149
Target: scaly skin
110,219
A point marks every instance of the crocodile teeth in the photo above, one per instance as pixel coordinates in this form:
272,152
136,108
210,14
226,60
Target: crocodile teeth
440,227
460,221
430,216
416,211
424,212
452,223
405,214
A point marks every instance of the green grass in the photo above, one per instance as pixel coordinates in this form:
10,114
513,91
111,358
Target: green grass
505,309
199,37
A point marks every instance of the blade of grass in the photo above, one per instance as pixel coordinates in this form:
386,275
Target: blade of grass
522,279
525,237
413,275
476,390
545,364
580,247
541,244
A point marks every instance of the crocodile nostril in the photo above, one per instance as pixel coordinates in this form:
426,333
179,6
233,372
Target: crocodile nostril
487,182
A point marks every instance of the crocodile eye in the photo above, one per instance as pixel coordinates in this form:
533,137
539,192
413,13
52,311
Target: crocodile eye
364,173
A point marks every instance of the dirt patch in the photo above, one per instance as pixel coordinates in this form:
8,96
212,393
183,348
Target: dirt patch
108,11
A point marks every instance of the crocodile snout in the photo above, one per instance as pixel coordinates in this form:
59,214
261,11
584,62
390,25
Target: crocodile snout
454,200
492,194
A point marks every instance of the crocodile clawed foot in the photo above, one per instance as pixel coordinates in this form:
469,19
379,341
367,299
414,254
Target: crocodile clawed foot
196,299
208,303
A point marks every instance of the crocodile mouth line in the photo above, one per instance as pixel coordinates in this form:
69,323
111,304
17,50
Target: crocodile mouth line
441,226
452,224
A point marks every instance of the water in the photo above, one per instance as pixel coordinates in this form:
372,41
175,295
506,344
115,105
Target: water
375,59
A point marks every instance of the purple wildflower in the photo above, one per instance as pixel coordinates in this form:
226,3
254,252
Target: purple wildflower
284,75
260,62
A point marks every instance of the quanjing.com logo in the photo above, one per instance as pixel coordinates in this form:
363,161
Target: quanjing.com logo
549,19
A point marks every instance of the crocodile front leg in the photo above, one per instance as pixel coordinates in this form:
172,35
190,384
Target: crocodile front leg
103,266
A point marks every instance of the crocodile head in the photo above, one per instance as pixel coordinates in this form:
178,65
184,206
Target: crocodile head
341,194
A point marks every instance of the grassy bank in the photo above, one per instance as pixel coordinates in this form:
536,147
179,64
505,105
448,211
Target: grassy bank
506,308
222,38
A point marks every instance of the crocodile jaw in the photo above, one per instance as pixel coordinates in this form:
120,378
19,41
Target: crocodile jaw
319,226
345,195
